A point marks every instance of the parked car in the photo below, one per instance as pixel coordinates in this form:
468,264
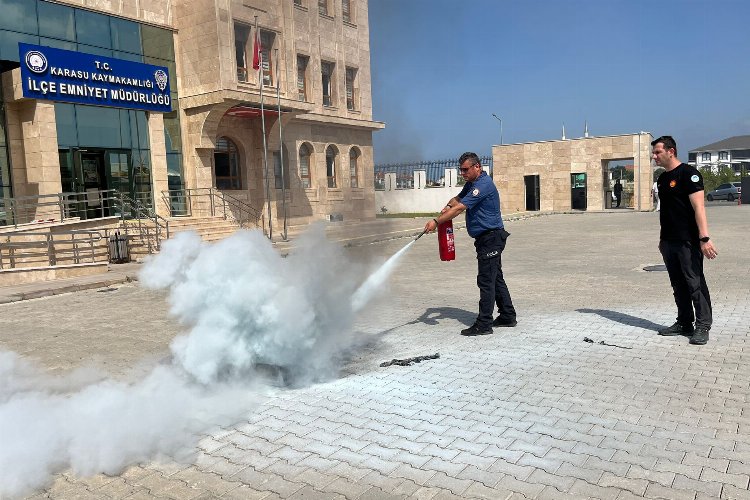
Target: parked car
729,191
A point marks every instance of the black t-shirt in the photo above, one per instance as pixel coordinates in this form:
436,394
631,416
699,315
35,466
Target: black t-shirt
676,215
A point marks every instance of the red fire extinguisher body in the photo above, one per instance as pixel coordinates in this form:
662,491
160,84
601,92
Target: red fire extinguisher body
446,243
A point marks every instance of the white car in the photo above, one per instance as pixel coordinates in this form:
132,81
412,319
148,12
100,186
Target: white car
729,191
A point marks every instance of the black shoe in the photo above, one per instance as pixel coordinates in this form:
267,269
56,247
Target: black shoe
677,329
499,322
700,337
474,330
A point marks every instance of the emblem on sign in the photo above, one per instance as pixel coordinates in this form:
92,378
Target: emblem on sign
36,61
161,79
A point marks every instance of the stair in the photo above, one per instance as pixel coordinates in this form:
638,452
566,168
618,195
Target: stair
208,228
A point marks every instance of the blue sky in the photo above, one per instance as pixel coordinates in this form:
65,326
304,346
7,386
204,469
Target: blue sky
440,68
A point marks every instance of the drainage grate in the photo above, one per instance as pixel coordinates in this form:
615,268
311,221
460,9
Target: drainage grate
660,267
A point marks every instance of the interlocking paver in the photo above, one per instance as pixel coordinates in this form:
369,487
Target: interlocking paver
529,412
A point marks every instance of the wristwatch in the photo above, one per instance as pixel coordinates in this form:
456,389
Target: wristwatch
704,239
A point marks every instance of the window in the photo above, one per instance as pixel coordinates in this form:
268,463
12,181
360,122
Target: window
92,29
723,155
277,169
302,77
353,157
304,166
298,2
226,164
326,68
706,157
331,155
351,76
346,10
241,38
266,44
323,7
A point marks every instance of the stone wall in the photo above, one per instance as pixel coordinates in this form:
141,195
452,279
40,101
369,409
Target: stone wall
554,161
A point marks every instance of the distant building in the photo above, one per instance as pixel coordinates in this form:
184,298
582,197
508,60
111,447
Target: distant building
572,174
733,152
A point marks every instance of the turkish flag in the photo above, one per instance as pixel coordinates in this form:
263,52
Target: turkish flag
256,51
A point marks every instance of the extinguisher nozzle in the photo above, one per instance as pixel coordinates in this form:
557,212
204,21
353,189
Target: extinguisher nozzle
420,235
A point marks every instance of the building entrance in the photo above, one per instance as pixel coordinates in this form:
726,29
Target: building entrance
578,191
531,183
89,175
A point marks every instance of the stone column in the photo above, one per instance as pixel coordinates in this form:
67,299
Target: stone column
35,163
159,181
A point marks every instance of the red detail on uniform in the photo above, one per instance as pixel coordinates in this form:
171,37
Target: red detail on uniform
446,243
672,183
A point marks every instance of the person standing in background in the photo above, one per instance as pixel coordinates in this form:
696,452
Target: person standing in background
618,192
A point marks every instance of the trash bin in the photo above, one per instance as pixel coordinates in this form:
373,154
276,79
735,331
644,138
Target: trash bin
118,248
608,198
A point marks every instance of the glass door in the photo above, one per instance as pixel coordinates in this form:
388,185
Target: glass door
118,176
94,181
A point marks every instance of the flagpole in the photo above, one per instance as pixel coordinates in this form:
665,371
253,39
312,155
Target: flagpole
281,145
263,127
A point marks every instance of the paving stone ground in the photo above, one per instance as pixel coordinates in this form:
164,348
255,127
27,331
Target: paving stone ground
529,412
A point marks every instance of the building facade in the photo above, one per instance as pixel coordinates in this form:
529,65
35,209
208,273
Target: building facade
571,174
292,138
732,152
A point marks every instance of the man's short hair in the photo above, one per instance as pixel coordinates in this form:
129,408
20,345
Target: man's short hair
469,156
667,140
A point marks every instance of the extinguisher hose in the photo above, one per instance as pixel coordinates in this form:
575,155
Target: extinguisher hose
420,235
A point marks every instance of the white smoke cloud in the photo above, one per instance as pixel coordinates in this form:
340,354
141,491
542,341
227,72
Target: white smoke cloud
247,305
104,426
249,312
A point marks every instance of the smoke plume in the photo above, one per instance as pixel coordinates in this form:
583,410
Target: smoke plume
243,306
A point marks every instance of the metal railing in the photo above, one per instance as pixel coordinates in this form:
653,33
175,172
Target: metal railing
33,249
61,207
435,172
58,207
213,202
151,233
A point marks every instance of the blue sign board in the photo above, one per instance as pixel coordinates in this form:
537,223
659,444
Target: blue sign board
77,77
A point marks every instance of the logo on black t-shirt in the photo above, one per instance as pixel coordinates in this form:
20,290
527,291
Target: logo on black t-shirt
672,183
695,178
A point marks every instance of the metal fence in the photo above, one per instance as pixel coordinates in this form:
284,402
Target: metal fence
435,172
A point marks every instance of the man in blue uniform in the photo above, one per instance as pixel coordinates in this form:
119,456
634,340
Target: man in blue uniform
684,241
481,201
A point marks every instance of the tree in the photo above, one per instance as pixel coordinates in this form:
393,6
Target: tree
724,174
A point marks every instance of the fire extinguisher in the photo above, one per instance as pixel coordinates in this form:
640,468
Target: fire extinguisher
446,243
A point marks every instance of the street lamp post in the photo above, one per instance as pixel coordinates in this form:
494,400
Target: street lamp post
501,127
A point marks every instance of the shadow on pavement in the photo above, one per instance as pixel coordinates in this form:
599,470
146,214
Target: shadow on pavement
433,315
625,319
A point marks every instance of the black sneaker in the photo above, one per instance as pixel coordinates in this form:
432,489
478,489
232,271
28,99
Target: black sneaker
499,322
700,337
677,329
474,330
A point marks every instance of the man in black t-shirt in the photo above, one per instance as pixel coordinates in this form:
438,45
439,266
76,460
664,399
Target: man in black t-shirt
684,241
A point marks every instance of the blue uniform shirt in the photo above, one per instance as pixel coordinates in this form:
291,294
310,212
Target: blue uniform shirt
482,205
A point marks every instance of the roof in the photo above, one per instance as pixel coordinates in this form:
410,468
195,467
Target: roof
736,142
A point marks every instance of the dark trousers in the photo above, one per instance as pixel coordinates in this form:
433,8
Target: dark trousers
684,261
619,199
492,287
